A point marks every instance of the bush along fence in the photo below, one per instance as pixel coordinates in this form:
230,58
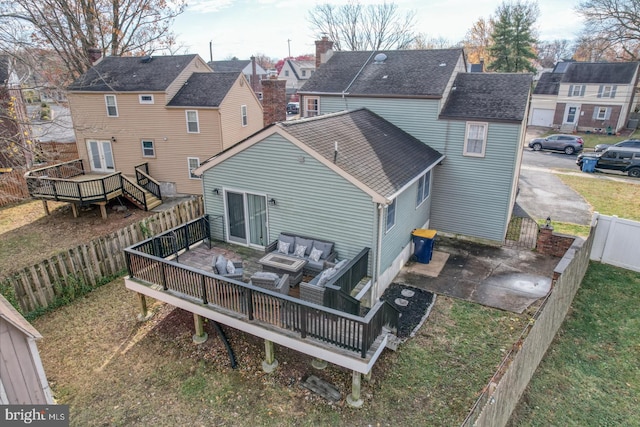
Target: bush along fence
74,272
500,397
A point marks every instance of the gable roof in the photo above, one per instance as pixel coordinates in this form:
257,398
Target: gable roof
548,84
420,73
488,96
11,315
600,72
204,90
132,74
229,65
372,152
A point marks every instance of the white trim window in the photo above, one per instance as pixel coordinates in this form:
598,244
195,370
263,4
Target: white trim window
607,91
311,106
148,148
391,215
243,114
193,163
576,90
145,98
192,121
424,188
475,139
112,105
602,113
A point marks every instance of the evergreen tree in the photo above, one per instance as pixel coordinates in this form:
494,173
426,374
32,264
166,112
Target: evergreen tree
513,39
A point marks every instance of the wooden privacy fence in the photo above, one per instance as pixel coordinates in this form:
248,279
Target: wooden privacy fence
40,285
13,187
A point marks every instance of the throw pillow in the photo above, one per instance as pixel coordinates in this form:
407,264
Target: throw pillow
324,247
283,247
341,264
326,275
288,239
315,255
308,243
231,268
299,252
266,275
221,265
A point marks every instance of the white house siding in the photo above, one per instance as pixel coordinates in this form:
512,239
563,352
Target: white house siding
311,199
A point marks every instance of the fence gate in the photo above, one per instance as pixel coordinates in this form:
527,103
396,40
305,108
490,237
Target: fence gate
522,232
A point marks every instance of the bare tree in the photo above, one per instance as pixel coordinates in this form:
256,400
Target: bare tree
477,40
549,53
613,25
423,41
69,28
357,27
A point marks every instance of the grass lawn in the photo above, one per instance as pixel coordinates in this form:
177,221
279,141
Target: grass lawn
590,375
113,370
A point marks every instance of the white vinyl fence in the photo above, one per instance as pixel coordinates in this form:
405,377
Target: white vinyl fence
617,242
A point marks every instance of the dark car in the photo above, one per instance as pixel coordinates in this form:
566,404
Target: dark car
569,144
293,108
614,158
629,143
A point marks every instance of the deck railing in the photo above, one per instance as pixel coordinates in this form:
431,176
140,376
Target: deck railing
146,262
146,181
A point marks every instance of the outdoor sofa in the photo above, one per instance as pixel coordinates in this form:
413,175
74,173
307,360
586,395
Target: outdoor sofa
313,291
227,268
271,281
317,252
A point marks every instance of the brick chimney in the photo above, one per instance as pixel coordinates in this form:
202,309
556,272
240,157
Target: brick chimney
94,54
254,75
274,100
323,50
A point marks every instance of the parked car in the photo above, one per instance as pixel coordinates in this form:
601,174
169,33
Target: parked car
630,143
293,108
568,143
621,159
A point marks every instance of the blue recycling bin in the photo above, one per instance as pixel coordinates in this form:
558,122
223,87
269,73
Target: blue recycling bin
589,164
423,242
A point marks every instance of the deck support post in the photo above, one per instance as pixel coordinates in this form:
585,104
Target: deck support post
144,314
354,399
319,363
367,377
103,209
74,210
200,336
270,363
45,205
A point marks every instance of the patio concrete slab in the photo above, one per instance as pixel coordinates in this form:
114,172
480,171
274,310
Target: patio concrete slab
505,278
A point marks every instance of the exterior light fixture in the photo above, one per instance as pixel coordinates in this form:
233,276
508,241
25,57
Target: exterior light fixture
216,191
272,202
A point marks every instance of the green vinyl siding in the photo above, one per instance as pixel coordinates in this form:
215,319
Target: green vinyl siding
471,195
311,199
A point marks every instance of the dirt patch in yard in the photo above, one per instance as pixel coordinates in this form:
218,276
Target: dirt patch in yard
28,235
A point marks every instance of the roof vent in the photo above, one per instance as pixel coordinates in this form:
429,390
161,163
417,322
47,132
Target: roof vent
146,59
380,58
443,64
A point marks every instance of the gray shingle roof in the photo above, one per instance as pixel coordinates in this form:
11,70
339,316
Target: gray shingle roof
132,74
204,90
403,73
548,84
236,65
488,96
600,72
372,150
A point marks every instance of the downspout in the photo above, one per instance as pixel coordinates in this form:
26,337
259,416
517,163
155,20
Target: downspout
376,268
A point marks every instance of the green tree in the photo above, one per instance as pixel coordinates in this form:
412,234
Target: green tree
513,40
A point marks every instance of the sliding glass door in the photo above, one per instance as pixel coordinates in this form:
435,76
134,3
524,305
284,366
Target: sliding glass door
246,218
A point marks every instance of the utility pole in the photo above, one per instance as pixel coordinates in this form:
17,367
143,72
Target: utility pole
289,44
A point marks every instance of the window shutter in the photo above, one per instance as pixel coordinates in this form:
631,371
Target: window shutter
607,114
595,114
570,90
613,91
582,90
600,92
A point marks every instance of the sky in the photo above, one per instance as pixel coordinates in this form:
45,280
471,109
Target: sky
279,28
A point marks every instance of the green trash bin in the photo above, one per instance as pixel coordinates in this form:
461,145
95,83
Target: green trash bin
423,242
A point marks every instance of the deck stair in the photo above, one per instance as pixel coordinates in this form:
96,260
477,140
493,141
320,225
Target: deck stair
138,195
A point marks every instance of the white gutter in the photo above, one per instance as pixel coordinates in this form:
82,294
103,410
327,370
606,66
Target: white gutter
408,184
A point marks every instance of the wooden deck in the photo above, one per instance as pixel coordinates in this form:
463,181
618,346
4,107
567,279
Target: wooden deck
180,274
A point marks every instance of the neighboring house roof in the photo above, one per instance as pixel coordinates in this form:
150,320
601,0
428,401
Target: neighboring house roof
204,90
548,84
488,96
11,315
419,73
600,72
132,74
371,150
234,65
561,67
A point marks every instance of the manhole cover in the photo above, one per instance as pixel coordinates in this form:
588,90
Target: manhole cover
401,302
407,293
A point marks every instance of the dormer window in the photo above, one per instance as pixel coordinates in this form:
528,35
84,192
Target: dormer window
146,99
